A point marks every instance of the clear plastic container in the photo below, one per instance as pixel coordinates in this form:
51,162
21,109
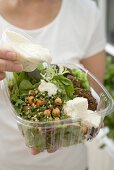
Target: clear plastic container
63,133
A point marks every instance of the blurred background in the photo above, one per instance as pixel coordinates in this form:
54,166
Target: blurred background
101,151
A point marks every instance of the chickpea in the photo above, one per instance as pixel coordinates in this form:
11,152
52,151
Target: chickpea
56,112
47,112
30,100
58,101
40,102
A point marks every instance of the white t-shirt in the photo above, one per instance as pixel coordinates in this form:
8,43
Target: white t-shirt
77,32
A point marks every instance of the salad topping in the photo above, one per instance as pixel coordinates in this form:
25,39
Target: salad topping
76,107
48,87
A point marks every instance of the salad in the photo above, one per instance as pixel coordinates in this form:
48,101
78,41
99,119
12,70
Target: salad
56,109
54,105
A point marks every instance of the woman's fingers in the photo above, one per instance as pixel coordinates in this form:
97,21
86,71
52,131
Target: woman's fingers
8,55
34,151
102,125
2,75
8,63
11,66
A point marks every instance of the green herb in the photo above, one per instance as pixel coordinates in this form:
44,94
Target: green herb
19,77
109,84
19,105
14,92
65,85
82,77
25,85
53,71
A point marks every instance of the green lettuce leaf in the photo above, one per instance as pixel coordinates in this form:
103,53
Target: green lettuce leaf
82,77
25,85
65,85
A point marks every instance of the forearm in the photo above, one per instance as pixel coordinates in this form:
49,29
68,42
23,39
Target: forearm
96,65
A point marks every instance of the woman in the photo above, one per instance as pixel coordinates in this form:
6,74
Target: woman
73,31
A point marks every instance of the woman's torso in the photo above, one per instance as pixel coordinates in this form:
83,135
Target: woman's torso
68,41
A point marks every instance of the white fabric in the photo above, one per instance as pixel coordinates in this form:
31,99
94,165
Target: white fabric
74,34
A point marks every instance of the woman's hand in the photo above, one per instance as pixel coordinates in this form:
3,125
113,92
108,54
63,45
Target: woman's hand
35,151
8,63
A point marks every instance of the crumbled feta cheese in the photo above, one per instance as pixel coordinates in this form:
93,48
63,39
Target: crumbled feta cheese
76,107
49,87
93,119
